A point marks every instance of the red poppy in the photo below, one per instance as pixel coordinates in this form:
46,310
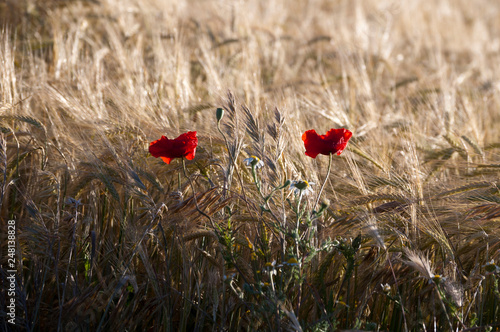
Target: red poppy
168,149
334,141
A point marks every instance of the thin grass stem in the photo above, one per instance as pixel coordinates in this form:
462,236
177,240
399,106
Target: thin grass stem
330,157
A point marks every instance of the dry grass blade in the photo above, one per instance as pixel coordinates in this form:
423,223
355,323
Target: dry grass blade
199,234
380,197
23,118
419,262
473,144
109,237
365,156
486,211
466,188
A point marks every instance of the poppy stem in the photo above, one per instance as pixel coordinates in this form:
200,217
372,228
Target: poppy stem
194,194
330,157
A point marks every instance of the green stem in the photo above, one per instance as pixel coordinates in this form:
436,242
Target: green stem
297,228
326,179
299,213
256,180
440,296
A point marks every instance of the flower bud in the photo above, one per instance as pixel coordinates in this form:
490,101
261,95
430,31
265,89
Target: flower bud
219,114
286,184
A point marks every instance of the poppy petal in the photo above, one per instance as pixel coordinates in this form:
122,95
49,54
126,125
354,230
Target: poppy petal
337,139
190,155
158,147
334,141
189,136
166,159
168,149
312,143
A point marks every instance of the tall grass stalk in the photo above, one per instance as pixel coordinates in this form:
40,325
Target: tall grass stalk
110,238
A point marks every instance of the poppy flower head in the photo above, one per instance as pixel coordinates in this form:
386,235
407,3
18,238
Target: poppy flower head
168,149
334,141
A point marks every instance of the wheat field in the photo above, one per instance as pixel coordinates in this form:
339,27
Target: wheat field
403,237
